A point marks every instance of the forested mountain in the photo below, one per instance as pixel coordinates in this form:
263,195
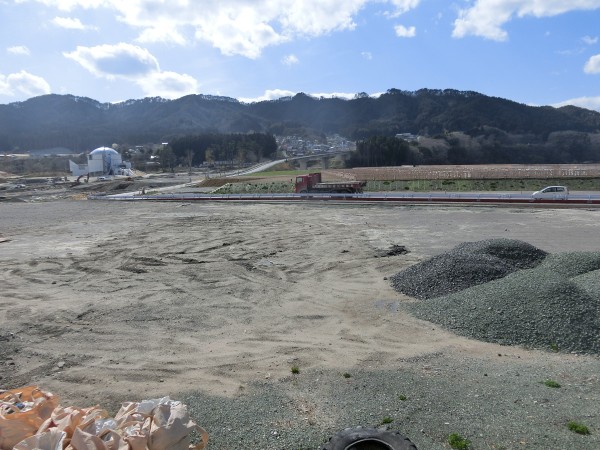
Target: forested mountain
81,124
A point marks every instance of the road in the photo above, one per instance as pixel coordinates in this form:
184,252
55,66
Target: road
574,199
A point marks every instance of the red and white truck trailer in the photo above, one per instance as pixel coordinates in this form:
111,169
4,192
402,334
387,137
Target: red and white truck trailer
312,183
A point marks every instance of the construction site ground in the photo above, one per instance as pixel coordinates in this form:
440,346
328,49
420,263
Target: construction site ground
215,304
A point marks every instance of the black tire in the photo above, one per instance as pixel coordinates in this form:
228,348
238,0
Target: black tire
360,438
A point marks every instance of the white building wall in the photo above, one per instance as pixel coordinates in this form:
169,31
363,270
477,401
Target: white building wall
96,166
102,161
78,169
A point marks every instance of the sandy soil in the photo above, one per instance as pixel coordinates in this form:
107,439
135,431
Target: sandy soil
107,301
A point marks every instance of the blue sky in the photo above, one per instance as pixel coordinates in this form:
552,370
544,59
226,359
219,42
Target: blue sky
538,52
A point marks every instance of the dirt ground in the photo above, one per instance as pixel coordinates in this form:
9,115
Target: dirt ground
102,302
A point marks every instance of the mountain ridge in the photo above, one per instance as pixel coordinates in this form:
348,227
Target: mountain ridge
81,123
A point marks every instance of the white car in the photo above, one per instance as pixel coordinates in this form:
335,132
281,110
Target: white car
552,193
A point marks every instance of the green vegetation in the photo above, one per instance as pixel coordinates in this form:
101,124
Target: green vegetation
458,442
347,375
402,398
383,151
472,185
234,148
264,186
578,428
386,420
295,370
551,383
41,167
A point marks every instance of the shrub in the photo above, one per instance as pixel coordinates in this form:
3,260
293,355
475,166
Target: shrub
578,428
551,383
458,442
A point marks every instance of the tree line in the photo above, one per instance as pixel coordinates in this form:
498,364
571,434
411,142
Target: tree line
211,148
483,147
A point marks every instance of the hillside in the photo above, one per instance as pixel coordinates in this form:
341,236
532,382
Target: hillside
82,123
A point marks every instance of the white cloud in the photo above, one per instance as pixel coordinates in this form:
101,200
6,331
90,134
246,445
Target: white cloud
403,6
271,94
120,60
582,102
235,27
367,55
274,94
68,23
592,65
68,5
18,50
589,40
135,64
238,32
24,83
290,60
161,34
168,85
402,31
486,17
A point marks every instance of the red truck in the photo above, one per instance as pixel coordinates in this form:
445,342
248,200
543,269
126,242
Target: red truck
312,183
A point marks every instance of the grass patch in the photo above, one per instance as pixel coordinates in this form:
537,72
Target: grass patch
346,375
270,187
386,420
458,442
295,370
551,383
578,428
528,186
402,398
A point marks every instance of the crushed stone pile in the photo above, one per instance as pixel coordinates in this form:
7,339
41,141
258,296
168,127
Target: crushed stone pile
553,306
468,264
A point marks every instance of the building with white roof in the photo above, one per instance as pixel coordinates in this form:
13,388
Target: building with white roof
101,161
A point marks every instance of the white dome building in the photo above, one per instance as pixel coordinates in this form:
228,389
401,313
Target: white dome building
101,161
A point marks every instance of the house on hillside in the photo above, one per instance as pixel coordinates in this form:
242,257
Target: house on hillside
102,161
408,137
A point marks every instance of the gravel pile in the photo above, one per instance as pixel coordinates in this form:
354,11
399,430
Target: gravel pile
589,281
554,306
468,264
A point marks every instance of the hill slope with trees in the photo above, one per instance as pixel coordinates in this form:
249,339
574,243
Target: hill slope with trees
470,126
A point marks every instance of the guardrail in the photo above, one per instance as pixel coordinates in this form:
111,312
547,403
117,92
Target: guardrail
481,198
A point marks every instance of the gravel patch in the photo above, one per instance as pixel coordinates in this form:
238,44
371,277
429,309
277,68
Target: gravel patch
554,306
589,281
571,264
498,402
468,264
